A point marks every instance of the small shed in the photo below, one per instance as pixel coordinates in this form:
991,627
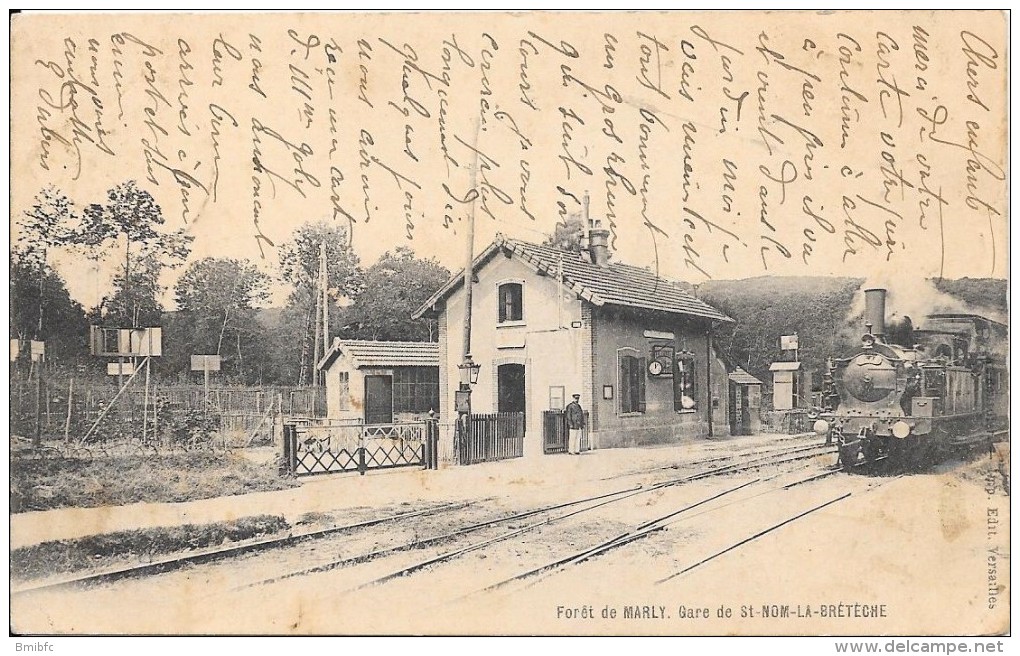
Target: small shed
381,382
745,403
787,385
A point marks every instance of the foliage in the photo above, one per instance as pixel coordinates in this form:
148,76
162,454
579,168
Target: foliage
815,308
567,235
135,299
66,556
42,308
185,426
48,224
392,289
217,300
299,260
981,293
299,266
132,215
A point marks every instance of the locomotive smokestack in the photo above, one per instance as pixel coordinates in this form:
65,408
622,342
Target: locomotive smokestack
874,310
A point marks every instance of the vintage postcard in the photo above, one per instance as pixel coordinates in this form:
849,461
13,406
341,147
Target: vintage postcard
535,323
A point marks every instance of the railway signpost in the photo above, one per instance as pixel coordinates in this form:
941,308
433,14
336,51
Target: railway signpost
205,364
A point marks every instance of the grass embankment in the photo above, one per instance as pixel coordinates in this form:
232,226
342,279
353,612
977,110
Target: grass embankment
114,481
128,547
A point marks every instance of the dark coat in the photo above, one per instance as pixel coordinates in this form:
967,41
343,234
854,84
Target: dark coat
575,415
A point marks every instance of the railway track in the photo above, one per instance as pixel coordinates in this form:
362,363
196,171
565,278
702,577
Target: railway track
773,457
209,555
475,546
645,529
753,451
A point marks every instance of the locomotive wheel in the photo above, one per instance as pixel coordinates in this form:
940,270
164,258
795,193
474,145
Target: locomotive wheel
871,451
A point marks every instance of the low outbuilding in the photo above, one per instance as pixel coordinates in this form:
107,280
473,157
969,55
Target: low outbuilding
381,382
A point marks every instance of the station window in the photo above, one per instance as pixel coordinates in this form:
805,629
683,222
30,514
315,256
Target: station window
344,378
415,389
511,302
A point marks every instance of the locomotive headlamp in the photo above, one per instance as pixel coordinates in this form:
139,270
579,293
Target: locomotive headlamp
900,429
821,427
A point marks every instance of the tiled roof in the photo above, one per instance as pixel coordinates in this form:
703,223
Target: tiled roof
615,284
741,377
383,354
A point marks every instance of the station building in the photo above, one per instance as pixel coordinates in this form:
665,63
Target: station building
549,323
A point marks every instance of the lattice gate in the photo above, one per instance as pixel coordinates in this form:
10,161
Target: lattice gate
323,449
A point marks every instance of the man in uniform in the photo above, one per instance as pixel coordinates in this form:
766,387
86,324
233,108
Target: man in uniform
575,423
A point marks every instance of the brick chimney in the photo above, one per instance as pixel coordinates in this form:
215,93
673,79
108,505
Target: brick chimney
598,238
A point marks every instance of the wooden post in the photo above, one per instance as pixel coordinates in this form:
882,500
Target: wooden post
145,404
67,419
37,437
278,422
205,373
155,415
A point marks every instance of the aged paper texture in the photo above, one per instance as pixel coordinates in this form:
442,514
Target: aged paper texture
710,146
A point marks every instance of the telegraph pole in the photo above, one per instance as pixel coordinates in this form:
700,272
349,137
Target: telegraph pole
468,369
469,262
324,281
317,323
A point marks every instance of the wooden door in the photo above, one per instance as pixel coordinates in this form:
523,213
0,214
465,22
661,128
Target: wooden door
378,399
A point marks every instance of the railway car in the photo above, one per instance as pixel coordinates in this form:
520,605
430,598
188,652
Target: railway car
906,395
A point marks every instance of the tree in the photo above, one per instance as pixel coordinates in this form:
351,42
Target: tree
567,235
217,301
63,326
132,215
299,266
47,225
392,289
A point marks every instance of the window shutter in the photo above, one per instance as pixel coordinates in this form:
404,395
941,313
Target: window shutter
694,380
503,293
678,381
625,384
641,367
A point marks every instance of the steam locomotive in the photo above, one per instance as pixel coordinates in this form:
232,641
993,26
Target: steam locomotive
907,395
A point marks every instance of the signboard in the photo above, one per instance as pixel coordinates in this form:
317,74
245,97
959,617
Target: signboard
146,341
788,343
126,342
119,369
38,350
15,349
205,363
462,401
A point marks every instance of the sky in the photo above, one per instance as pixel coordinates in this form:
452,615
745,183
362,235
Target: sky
784,144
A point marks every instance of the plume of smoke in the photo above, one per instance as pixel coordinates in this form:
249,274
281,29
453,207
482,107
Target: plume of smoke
914,298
